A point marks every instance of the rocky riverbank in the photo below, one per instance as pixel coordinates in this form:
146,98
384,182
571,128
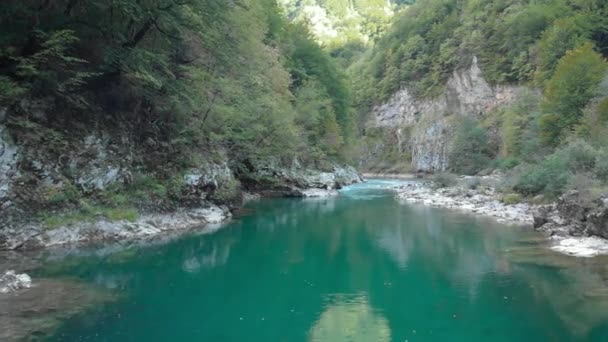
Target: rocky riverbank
481,202
576,227
293,182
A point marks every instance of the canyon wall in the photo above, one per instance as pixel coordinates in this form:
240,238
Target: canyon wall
431,121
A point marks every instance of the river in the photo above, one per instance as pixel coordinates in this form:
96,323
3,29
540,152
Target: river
357,267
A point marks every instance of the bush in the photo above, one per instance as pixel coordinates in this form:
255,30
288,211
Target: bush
549,178
227,192
470,151
61,195
507,163
444,179
601,167
579,156
473,183
512,199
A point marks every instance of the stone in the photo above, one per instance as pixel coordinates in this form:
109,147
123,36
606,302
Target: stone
9,155
466,94
11,281
574,215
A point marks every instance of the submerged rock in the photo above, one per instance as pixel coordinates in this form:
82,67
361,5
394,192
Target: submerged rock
11,281
35,312
319,193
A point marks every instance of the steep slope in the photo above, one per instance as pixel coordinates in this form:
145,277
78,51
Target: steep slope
109,110
432,122
337,22
466,85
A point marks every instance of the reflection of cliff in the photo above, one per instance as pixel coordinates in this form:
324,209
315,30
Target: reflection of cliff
210,255
578,295
350,319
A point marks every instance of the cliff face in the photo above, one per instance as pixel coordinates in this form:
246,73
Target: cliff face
466,94
57,185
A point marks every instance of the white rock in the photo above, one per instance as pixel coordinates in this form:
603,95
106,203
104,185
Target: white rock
11,281
580,246
319,193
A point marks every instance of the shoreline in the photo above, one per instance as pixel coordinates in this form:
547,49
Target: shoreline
389,175
482,203
486,203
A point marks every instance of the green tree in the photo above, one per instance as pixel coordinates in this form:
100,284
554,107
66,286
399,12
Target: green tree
574,83
470,151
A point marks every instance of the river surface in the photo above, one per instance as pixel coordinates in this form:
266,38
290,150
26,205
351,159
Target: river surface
358,267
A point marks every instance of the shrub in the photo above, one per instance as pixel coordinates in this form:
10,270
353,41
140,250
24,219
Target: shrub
507,163
512,199
444,179
579,156
549,178
470,151
601,167
226,192
473,183
60,195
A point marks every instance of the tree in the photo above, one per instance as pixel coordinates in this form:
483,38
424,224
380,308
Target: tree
470,151
576,79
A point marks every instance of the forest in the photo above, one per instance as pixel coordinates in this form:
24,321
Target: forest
194,74
252,80
553,139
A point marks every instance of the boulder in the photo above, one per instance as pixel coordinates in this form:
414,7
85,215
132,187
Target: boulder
11,281
574,215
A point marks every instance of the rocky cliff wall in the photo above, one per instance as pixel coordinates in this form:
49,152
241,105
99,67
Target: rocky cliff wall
466,94
64,177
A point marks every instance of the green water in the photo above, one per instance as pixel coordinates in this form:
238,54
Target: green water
360,267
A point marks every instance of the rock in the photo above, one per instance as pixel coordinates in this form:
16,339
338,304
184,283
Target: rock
8,164
33,313
474,201
319,193
574,215
96,164
85,233
271,179
466,94
202,182
11,281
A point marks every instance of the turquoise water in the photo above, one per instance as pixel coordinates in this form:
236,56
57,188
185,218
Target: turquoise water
359,267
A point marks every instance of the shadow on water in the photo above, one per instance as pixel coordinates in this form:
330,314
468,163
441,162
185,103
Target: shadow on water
358,267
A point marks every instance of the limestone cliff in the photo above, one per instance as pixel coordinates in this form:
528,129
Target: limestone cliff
466,93
75,176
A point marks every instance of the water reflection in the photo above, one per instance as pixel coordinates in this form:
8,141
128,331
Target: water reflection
350,318
208,255
357,267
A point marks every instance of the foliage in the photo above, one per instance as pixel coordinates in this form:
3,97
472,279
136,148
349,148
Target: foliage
550,178
470,151
510,199
552,175
195,75
576,79
514,41
444,179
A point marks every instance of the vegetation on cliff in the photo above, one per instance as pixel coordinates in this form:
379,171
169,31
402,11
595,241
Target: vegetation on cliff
185,80
554,137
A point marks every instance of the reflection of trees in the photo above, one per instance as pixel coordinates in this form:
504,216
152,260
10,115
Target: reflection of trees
575,288
350,319
410,261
